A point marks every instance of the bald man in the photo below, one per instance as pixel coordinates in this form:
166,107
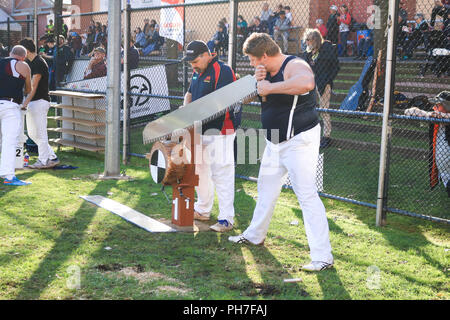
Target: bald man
15,77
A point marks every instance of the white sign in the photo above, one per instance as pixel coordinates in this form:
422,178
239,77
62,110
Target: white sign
151,80
172,25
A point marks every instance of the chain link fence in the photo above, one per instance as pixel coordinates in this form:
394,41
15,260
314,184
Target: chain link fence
345,44
12,31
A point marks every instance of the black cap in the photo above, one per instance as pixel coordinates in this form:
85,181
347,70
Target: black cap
444,99
194,49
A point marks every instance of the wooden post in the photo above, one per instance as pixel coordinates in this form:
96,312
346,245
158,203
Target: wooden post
183,193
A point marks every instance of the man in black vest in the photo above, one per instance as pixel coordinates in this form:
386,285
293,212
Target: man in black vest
15,79
38,103
292,127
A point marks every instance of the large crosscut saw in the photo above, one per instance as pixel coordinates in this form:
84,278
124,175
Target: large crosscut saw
201,110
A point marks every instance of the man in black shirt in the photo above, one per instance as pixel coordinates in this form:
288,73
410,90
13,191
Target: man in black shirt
38,103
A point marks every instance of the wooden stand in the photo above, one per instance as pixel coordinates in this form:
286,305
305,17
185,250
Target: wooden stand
183,193
79,126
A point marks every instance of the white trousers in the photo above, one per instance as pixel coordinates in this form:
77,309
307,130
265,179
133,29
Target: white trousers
215,169
11,122
297,157
37,128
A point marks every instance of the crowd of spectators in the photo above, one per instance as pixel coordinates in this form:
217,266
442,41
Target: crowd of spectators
277,23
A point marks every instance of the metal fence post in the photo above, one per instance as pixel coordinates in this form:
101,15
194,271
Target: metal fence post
58,27
112,144
232,34
387,125
35,26
126,80
185,65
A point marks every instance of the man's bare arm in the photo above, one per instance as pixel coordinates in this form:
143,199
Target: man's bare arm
34,84
298,79
25,71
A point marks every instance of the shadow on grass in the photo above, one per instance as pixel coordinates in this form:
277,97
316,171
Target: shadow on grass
65,245
184,265
403,233
329,280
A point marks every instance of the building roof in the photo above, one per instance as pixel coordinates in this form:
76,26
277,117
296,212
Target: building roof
4,26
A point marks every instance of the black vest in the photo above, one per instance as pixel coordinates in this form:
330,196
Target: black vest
11,82
276,110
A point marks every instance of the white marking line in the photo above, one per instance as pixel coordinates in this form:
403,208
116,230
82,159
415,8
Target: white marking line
129,214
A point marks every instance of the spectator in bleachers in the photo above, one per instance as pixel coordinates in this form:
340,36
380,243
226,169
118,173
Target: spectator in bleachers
139,38
97,66
438,53
146,27
219,40
417,37
439,10
160,39
321,55
344,22
105,35
402,25
287,9
242,26
90,39
152,41
266,15
276,14
364,46
257,26
226,26
281,30
62,60
48,52
133,57
50,28
242,32
98,37
75,43
332,25
321,27
153,21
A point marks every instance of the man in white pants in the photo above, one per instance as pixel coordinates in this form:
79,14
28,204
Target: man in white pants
215,163
15,79
38,103
293,137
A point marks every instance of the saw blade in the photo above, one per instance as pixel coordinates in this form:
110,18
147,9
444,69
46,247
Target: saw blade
204,109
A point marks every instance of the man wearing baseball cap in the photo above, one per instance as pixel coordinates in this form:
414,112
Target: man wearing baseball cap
439,139
97,65
215,167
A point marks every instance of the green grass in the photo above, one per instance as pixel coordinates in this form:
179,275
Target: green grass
45,229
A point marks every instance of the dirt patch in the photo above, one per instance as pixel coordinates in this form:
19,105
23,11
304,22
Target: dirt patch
109,267
171,289
142,276
254,289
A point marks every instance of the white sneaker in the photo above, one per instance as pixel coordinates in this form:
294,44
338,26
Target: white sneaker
317,266
52,162
222,226
38,165
242,240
